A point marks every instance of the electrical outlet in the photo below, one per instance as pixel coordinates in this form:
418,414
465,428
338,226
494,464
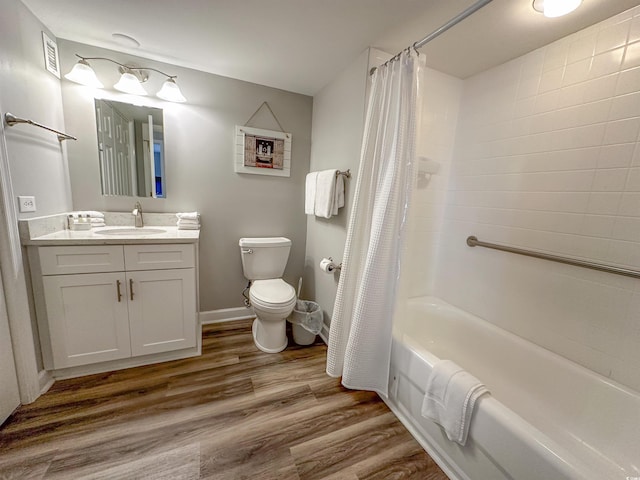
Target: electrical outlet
27,204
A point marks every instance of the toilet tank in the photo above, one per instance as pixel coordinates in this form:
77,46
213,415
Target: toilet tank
264,258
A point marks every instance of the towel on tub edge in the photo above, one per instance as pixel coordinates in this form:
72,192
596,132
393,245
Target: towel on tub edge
450,396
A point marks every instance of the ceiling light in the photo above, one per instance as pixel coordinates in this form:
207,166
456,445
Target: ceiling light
83,74
171,91
125,40
130,82
555,8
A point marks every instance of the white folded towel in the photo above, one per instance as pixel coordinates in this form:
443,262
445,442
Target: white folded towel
338,199
450,396
188,215
189,227
310,193
187,221
325,193
98,224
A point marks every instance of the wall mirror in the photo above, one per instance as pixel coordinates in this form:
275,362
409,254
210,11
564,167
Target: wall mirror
130,149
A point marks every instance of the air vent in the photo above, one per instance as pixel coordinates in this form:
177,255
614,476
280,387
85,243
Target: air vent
51,61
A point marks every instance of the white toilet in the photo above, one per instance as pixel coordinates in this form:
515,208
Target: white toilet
272,299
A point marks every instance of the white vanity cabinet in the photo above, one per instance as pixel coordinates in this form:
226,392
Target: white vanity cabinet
87,324
111,302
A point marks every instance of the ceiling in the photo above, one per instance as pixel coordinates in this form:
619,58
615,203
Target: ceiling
301,45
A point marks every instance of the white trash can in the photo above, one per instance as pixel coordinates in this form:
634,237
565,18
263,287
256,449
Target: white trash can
306,322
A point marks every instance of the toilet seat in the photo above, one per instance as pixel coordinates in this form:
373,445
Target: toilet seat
272,294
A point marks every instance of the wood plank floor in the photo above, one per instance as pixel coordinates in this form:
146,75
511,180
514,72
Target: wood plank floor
233,413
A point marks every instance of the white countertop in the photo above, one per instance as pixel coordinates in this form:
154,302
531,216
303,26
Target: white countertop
170,234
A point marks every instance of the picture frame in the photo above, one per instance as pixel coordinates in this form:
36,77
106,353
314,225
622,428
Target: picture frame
262,152
51,59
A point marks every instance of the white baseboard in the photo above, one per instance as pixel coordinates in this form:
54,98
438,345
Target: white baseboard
45,380
226,315
324,334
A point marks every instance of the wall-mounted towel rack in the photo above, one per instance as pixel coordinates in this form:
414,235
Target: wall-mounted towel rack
12,120
474,242
346,173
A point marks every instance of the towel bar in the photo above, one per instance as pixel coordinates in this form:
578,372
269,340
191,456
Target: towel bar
12,120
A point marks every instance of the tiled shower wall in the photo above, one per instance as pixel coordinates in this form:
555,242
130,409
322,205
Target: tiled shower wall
547,158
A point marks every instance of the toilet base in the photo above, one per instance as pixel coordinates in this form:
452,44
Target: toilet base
254,329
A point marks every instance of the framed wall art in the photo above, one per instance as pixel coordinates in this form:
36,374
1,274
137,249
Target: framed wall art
262,152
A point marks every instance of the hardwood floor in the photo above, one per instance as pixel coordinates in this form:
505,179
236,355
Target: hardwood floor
233,413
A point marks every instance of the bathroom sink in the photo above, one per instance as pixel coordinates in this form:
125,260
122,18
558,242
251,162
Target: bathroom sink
130,231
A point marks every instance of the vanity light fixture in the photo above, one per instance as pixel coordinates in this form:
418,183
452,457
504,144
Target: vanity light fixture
555,8
130,82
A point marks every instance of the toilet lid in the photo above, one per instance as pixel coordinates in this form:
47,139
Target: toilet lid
273,291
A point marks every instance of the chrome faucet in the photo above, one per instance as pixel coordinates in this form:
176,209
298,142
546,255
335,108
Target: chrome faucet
137,212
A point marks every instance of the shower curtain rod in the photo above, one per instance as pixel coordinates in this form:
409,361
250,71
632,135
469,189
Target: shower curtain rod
439,31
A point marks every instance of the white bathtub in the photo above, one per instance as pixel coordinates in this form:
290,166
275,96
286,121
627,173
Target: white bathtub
546,418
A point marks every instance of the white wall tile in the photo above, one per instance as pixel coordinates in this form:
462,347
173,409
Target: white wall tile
582,48
612,36
628,81
622,131
616,156
599,88
627,228
551,80
610,180
577,72
606,63
630,205
597,225
632,56
547,157
604,203
634,31
633,181
556,55
625,106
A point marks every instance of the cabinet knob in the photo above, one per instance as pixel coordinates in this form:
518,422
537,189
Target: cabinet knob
131,288
118,290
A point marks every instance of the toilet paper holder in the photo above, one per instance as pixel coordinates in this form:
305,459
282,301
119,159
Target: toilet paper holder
332,266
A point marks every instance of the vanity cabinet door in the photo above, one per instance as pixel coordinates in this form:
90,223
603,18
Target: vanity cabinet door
88,320
162,310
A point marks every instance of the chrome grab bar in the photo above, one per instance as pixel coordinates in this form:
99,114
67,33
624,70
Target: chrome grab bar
474,242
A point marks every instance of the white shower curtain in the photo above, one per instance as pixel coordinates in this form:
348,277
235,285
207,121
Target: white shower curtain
361,326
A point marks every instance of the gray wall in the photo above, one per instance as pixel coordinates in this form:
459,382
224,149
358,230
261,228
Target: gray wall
37,166
338,123
199,147
27,90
